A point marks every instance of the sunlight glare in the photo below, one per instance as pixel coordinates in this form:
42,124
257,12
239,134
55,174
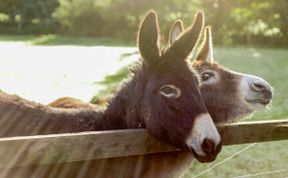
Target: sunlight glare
44,73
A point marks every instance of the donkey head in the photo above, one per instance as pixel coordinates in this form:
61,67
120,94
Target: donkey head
227,94
172,107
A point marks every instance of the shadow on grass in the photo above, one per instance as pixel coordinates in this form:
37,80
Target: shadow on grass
55,40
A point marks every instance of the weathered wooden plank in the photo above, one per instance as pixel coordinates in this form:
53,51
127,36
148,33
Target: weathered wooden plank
250,132
46,149
50,149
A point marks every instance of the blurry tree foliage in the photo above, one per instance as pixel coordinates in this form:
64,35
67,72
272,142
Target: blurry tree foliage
28,16
261,22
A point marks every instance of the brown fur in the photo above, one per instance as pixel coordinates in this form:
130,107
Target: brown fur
68,102
222,99
22,117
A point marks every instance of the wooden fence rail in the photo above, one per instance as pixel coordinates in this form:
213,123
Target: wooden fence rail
51,149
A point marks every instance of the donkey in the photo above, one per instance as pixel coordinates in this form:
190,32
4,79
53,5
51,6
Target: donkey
174,164
170,106
228,95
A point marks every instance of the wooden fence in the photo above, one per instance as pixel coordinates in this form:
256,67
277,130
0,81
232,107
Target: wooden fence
49,149
65,148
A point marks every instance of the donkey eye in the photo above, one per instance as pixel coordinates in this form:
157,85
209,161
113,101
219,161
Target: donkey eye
167,90
170,91
206,76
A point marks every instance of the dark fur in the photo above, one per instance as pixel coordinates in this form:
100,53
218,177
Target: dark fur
172,121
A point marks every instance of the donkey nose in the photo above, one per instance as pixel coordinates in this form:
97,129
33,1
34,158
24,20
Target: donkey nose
208,146
204,139
258,86
262,87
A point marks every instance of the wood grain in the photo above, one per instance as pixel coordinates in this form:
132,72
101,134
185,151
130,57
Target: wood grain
61,148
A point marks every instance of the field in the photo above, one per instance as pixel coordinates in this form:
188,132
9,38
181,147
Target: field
47,67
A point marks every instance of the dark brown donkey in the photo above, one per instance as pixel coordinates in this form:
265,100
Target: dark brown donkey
227,87
228,95
170,106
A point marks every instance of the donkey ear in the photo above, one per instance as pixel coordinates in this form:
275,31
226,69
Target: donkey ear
175,31
148,37
206,50
182,47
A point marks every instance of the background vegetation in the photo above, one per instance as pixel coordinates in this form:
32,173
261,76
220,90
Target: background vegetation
258,22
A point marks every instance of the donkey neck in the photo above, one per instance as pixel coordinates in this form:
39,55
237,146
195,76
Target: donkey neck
124,109
19,117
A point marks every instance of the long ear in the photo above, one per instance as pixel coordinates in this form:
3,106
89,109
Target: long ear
175,31
182,47
148,37
206,51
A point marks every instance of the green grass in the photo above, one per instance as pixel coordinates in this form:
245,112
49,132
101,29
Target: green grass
262,157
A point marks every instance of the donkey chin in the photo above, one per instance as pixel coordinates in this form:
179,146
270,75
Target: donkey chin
204,142
256,92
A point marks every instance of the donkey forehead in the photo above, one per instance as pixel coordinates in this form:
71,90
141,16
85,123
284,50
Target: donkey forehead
178,73
202,66
179,81
180,68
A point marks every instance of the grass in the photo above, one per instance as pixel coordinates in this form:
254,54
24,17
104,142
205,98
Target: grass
270,64
262,157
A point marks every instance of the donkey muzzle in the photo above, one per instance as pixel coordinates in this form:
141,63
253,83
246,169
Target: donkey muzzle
204,140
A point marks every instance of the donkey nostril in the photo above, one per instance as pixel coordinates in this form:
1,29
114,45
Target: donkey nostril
208,146
258,86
